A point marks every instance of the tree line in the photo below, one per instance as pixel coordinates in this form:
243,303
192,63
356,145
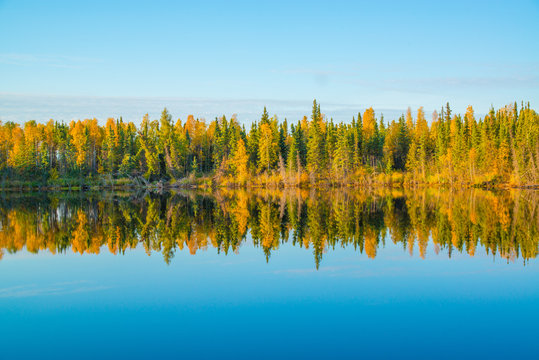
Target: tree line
504,225
500,147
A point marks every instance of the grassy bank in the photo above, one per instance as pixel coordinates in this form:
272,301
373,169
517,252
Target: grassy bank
272,180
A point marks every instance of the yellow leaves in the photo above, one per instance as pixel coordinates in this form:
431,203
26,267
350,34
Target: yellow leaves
304,124
145,121
453,128
240,161
192,244
266,145
473,216
200,129
423,243
410,244
371,243
241,212
422,128
269,232
17,152
80,235
113,246
410,120
501,211
471,248
472,155
190,125
368,123
79,139
111,125
470,114
94,129
503,158
118,234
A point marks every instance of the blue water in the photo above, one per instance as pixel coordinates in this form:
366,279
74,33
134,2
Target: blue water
212,305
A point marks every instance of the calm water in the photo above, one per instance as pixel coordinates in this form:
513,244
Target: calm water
385,274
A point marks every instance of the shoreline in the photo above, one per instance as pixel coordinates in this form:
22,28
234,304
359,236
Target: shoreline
206,183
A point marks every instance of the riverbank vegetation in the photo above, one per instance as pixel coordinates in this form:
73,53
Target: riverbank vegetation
500,148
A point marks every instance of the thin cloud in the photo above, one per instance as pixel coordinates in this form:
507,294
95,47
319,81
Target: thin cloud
397,77
501,81
56,61
21,108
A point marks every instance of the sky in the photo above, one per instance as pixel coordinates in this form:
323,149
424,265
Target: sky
70,59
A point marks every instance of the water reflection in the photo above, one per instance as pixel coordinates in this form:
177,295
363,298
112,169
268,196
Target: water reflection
505,223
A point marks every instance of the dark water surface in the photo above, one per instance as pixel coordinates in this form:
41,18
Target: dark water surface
383,274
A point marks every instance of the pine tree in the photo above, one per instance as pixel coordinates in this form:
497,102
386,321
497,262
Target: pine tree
315,144
342,153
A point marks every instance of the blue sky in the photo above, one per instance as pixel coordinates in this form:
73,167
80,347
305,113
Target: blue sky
348,55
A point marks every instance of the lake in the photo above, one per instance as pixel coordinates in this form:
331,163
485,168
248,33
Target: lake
385,273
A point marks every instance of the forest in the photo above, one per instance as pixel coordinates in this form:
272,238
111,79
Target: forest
498,149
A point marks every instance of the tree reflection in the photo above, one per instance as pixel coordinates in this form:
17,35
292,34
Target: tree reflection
504,224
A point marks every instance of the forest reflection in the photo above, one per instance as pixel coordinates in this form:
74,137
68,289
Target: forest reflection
504,223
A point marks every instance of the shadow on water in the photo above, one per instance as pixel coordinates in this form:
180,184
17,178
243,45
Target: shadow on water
504,224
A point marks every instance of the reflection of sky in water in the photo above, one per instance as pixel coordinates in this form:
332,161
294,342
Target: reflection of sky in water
239,306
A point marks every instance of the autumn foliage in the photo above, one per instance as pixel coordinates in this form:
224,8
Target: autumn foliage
501,147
